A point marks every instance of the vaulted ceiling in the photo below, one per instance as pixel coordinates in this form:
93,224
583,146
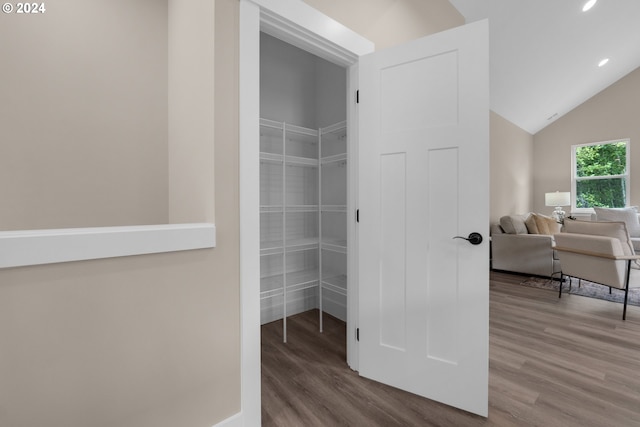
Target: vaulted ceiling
544,54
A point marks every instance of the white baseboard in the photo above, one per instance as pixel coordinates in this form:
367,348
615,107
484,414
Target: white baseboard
270,313
335,308
236,420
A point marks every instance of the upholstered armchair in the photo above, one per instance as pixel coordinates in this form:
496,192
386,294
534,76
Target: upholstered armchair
600,252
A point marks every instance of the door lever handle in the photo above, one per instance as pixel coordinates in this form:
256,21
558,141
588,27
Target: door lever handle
474,238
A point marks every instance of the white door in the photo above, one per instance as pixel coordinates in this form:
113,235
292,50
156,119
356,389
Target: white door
424,179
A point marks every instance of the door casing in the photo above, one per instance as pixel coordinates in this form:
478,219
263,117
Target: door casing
302,26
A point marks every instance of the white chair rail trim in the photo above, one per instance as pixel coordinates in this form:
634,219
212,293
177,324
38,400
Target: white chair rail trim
35,247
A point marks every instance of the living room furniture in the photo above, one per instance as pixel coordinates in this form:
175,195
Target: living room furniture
515,248
600,252
558,200
627,215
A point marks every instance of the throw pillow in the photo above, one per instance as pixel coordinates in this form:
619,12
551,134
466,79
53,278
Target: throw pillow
543,224
627,215
513,224
531,224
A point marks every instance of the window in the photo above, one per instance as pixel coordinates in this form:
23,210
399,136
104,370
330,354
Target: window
600,176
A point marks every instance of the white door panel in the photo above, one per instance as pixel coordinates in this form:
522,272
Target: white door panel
424,178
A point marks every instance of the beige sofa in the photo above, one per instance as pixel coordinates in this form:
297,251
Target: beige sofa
515,249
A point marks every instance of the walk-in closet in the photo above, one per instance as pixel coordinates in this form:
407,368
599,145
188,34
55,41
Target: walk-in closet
303,184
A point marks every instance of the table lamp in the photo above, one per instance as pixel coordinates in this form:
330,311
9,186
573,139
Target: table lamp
558,200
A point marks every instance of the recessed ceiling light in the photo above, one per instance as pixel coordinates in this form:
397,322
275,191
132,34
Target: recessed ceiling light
588,5
603,62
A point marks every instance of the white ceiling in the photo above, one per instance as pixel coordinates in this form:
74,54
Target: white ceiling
544,54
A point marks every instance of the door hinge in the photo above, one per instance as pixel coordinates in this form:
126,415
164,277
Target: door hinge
357,215
357,334
358,96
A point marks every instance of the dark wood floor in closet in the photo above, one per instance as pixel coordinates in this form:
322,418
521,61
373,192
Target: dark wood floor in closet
567,362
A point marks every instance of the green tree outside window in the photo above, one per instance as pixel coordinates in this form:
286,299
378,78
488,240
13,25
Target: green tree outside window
601,175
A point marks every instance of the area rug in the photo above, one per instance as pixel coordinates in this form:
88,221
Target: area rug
586,289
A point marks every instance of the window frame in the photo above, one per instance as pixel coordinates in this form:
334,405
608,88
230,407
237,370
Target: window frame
574,170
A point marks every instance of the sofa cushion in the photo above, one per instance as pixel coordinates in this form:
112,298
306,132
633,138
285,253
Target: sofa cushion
627,215
495,229
513,224
532,227
609,229
542,224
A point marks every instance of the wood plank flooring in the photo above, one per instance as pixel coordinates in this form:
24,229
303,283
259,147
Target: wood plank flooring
553,362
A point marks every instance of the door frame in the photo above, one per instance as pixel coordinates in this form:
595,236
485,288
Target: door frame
297,23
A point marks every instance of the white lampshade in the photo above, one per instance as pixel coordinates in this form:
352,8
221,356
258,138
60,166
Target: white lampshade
557,199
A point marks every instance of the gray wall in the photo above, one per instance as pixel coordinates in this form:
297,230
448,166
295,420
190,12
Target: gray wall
299,88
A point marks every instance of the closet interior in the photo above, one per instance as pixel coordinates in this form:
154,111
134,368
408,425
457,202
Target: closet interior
303,184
